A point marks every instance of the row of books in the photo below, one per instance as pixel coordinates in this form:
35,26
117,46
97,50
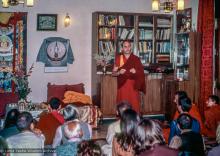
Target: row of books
107,20
162,58
145,58
145,24
126,20
163,34
145,34
163,47
162,22
145,47
107,33
106,47
124,33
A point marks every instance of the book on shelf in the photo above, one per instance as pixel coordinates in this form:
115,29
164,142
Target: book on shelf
106,47
145,46
163,47
145,34
163,34
121,21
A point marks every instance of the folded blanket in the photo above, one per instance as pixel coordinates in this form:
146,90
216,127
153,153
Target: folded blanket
74,97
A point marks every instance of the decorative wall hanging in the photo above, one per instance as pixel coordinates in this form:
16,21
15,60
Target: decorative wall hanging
55,52
13,47
47,22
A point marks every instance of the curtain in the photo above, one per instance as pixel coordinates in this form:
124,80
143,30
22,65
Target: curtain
206,28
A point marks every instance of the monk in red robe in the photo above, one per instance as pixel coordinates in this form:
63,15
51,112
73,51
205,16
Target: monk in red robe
130,77
212,116
49,122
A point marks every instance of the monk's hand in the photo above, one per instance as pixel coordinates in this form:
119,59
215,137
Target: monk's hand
132,70
122,71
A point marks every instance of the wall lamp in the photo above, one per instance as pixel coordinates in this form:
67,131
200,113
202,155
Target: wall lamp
7,3
67,20
167,5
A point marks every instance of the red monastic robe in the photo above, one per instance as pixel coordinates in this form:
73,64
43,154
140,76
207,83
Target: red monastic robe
48,123
212,119
130,84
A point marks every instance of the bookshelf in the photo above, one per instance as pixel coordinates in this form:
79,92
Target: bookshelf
149,34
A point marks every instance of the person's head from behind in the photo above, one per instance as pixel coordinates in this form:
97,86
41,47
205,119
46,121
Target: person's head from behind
70,113
89,148
178,95
184,105
72,130
54,103
11,118
213,100
122,106
25,122
148,133
184,121
129,121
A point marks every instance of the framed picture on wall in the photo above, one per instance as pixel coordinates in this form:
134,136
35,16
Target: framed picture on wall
47,22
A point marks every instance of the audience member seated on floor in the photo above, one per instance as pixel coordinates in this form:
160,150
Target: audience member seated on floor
212,115
3,147
149,140
194,111
49,121
123,142
184,106
89,148
192,142
70,114
71,136
10,127
114,128
28,138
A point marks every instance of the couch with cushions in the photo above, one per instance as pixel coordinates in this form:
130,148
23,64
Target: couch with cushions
88,112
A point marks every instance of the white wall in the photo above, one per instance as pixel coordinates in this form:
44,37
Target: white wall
79,33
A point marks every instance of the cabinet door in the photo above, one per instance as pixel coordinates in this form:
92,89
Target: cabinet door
153,97
108,95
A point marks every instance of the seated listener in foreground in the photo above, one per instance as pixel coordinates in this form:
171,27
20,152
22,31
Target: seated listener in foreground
149,140
26,139
10,127
184,106
123,142
114,128
72,135
212,115
192,142
49,121
70,114
89,148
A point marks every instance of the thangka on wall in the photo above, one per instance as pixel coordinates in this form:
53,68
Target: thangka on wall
13,47
55,52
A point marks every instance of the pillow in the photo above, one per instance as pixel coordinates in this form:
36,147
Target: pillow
55,91
74,97
76,87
